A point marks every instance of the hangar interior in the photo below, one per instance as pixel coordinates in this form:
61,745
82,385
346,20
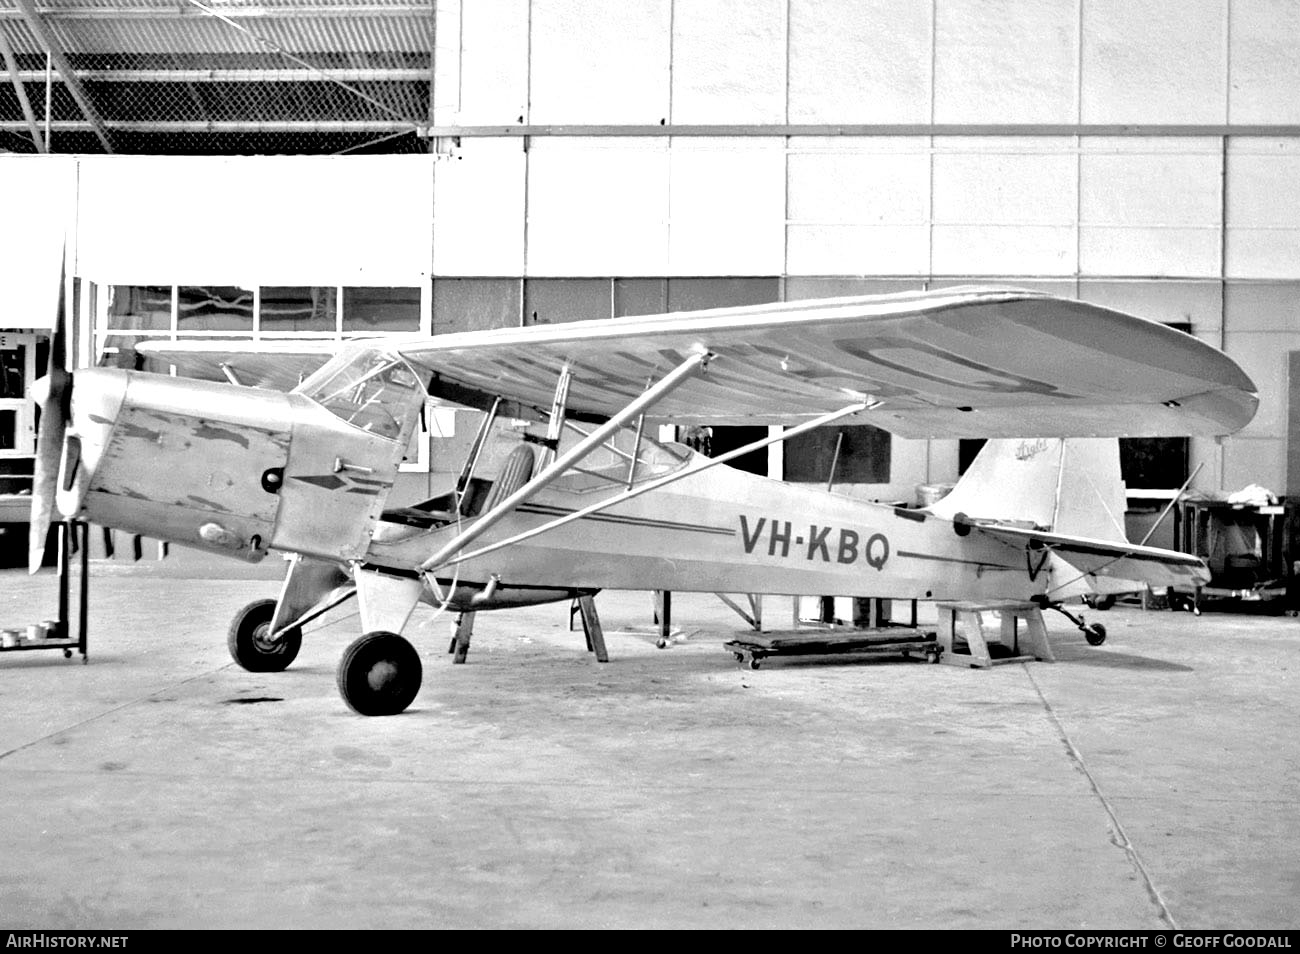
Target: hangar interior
295,169
282,170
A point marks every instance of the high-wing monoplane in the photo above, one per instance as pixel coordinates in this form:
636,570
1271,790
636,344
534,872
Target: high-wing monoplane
296,450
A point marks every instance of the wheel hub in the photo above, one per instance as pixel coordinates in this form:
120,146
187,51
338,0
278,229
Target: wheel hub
263,641
381,675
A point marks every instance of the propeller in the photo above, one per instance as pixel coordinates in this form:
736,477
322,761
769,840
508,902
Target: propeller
53,394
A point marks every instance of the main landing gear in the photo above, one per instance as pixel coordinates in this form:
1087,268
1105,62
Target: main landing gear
250,643
1094,633
380,674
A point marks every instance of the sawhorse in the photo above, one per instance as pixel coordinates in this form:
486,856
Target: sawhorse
1031,645
585,605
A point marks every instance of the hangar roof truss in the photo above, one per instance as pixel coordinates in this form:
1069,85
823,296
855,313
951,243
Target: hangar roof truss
215,76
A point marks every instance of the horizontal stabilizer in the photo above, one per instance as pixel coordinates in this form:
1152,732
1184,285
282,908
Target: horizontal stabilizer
1127,561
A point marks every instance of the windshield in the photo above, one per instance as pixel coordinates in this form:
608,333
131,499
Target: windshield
369,389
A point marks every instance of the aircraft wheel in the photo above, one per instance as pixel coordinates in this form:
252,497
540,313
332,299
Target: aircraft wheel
249,645
1095,634
1104,602
379,674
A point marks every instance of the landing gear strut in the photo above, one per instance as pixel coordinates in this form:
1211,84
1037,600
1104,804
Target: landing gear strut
1094,633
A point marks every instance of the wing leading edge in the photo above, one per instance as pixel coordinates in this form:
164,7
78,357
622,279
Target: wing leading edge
970,362
964,362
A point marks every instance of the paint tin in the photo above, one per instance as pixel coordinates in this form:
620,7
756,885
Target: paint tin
35,632
10,638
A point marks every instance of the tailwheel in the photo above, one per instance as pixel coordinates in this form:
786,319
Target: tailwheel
250,643
1095,634
379,674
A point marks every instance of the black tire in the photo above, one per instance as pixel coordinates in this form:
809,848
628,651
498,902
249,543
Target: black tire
1103,602
248,643
379,674
1095,634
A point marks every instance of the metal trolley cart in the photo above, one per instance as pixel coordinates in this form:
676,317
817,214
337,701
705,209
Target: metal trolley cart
58,633
1251,551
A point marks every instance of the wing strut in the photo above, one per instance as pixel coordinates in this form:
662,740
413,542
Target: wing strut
704,464
556,469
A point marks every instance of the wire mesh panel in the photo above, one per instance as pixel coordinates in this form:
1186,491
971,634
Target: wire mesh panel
215,76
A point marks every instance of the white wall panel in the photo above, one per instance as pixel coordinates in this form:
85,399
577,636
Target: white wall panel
867,182
858,250
1146,251
1264,69
1128,185
1150,207
1004,250
478,209
1006,61
40,194
599,62
1262,306
482,62
859,61
1263,253
1249,461
256,219
597,207
1263,356
1263,233
1002,212
727,207
859,207
1153,61
728,61
1199,304
996,183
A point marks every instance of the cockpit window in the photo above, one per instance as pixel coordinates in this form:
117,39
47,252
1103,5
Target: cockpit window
369,389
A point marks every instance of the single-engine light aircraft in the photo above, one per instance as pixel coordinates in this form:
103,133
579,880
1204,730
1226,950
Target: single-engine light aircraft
296,450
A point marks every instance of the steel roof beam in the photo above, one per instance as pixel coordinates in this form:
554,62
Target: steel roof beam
174,12
16,78
37,26
241,75
229,126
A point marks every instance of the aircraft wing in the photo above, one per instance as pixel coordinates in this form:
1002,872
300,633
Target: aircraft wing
278,365
961,362
1126,561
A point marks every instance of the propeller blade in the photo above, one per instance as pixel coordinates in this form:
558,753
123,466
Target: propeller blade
54,395
49,453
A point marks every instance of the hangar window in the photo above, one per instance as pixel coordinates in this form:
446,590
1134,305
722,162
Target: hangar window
214,308
128,313
298,308
381,309
140,307
859,454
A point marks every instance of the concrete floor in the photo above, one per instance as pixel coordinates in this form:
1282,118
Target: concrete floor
1149,783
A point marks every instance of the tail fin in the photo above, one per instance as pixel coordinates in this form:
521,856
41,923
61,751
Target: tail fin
1069,486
